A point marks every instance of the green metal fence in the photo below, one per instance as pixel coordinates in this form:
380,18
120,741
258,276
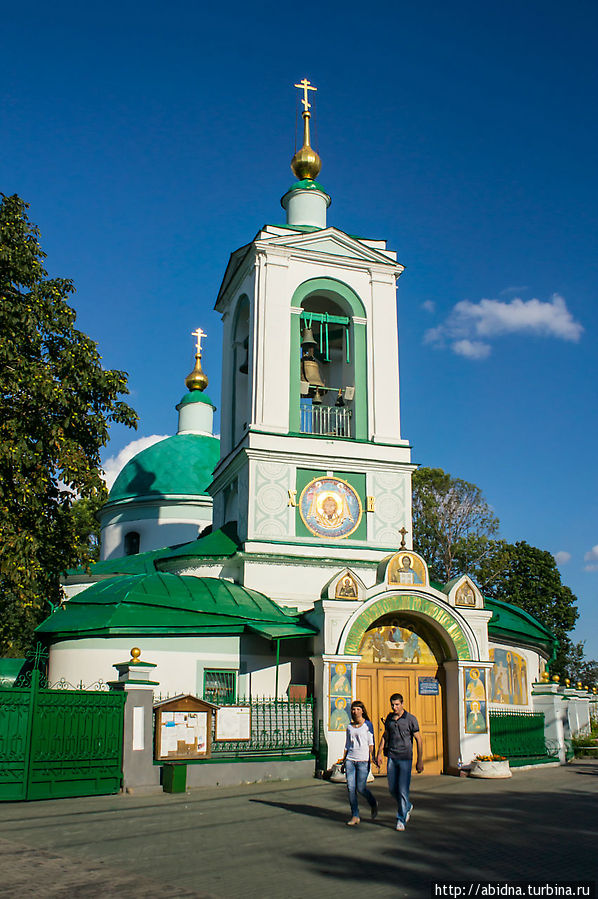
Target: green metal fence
519,736
56,743
278,727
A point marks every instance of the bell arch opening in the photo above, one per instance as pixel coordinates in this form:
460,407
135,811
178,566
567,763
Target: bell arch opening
328,367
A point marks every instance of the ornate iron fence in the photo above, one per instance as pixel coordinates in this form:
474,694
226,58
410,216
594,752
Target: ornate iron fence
519,735
59,742
278,726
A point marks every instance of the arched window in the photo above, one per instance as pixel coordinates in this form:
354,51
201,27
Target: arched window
240,411
131,543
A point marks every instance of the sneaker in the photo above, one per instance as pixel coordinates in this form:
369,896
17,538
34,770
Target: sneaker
408,815
374,812
400,826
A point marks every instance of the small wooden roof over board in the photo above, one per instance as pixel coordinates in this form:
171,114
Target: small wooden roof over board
185,703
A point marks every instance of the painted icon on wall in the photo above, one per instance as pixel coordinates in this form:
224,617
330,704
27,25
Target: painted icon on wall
339,713
346,588
330,508
475,700
465,595
475,684
508,678
406,568
340,679
395,645
475,717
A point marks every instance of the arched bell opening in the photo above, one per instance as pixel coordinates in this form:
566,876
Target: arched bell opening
328,367
240,411
404,653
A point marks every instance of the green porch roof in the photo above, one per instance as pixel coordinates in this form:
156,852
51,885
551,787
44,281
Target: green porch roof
512,623
170,604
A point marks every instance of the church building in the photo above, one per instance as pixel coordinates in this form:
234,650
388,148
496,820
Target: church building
278,561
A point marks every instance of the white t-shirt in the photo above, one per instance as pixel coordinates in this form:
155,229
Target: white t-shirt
358,742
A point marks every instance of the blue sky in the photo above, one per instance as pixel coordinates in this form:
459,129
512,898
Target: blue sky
151,140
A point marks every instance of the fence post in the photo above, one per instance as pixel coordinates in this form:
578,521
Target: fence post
138,737
547,698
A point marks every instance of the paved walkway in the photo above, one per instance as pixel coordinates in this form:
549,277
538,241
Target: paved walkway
288,840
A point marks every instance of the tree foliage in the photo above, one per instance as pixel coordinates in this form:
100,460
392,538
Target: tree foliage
528,577
452,522
56,407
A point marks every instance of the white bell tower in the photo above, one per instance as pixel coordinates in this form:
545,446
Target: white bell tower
313,462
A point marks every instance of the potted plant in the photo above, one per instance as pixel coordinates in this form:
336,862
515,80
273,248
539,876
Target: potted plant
490,766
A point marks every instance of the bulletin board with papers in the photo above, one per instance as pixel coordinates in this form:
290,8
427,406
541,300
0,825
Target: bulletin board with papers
183,729
233,723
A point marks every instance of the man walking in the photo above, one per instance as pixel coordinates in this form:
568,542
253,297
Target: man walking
400,728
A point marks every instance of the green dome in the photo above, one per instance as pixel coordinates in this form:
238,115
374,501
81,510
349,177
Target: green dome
179,465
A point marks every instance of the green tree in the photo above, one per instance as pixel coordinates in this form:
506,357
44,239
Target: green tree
56,407
528,577
452,523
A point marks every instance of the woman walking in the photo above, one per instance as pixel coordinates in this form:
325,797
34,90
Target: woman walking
359,752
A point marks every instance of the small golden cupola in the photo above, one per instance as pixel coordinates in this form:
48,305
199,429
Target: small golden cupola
196,379
306,164
306,202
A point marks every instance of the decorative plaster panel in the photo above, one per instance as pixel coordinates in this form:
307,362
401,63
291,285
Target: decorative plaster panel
272,481
389,489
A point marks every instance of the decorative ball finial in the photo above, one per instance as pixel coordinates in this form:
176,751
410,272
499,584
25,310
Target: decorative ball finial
306,163
135,653
567,682
197,379
579,685
555,678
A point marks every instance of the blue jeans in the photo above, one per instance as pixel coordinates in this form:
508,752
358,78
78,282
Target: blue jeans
357,775
399,778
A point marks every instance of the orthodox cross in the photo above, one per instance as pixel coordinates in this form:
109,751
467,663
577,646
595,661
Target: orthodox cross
306,86
402,532
198,333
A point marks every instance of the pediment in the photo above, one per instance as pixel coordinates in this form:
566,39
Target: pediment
330,242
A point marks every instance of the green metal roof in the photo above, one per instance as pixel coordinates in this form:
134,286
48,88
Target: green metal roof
222,543
180,465
512,623
163,603
195,396
509,622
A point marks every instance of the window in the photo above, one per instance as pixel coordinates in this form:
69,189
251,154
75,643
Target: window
219,686
131,543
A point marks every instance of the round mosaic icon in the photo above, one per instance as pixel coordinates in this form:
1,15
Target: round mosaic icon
330,508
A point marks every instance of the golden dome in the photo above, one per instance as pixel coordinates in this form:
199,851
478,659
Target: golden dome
196,379
306,164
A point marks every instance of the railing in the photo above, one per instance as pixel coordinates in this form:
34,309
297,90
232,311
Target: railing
518,735
277,726
332,421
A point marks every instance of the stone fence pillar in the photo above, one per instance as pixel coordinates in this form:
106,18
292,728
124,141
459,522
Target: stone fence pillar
138,746
547,698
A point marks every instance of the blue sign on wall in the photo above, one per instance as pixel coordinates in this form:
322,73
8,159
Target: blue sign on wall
428,686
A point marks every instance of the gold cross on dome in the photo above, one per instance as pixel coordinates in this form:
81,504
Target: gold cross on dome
198,333
306,86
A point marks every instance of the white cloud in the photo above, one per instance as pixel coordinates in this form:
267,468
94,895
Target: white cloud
429,306
114,464
471,349
591,558
469,326
562,557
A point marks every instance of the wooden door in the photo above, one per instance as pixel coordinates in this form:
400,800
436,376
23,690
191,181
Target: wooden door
375,686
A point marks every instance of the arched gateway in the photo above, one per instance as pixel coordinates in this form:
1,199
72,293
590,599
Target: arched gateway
403,642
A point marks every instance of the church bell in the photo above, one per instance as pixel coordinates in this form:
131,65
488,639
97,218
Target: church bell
308,338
